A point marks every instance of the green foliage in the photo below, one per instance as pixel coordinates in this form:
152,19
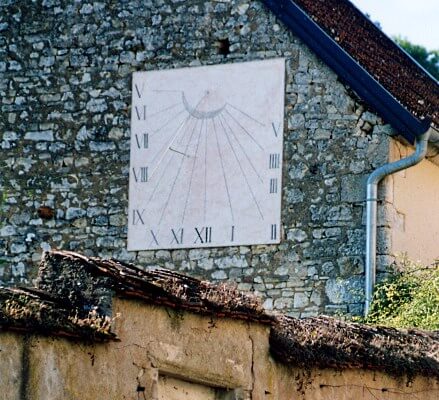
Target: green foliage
409,298
428,59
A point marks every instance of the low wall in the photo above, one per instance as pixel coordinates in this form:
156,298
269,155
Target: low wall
174,355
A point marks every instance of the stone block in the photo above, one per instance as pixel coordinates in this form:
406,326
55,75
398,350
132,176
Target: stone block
353,188
37,136
342,291
300,300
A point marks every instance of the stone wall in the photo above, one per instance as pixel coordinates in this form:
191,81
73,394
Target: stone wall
65,89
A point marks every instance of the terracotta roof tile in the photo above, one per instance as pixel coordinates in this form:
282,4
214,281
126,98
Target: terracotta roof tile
415,89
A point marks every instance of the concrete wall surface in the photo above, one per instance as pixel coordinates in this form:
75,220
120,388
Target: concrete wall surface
166,354
415,203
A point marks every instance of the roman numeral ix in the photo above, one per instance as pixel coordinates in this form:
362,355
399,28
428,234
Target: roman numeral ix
138,217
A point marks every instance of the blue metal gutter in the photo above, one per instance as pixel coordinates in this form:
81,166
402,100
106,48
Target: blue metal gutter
348,69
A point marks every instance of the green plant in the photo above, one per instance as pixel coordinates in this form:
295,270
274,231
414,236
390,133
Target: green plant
409,298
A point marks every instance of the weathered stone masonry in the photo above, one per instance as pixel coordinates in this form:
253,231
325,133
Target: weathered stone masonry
65,89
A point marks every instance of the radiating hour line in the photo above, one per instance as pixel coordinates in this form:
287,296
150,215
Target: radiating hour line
245,130
174,137
160,180
222,167
242,170
162,153
192,173
173,118
242,148
244,113
205,173
176,177
165,109
167,91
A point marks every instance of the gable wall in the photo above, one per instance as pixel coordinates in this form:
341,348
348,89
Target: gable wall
65,96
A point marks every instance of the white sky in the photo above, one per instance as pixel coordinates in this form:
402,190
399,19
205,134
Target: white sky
417,20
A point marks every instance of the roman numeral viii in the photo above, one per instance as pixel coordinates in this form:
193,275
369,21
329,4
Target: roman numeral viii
140,174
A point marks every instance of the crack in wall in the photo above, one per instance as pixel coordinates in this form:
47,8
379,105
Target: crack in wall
25,369
253,375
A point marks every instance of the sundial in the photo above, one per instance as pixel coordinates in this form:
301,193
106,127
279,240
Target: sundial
206,156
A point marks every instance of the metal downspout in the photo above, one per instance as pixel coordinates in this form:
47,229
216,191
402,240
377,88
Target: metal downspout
371,208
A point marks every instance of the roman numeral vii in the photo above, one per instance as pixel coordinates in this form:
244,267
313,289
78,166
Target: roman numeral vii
142,141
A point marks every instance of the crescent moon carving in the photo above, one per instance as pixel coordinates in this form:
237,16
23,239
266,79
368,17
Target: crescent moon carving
200,114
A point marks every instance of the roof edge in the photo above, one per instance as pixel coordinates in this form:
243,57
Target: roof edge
348,69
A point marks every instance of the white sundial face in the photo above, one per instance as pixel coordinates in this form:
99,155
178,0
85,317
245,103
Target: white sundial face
206,156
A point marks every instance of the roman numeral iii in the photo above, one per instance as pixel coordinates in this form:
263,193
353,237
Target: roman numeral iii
273,185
